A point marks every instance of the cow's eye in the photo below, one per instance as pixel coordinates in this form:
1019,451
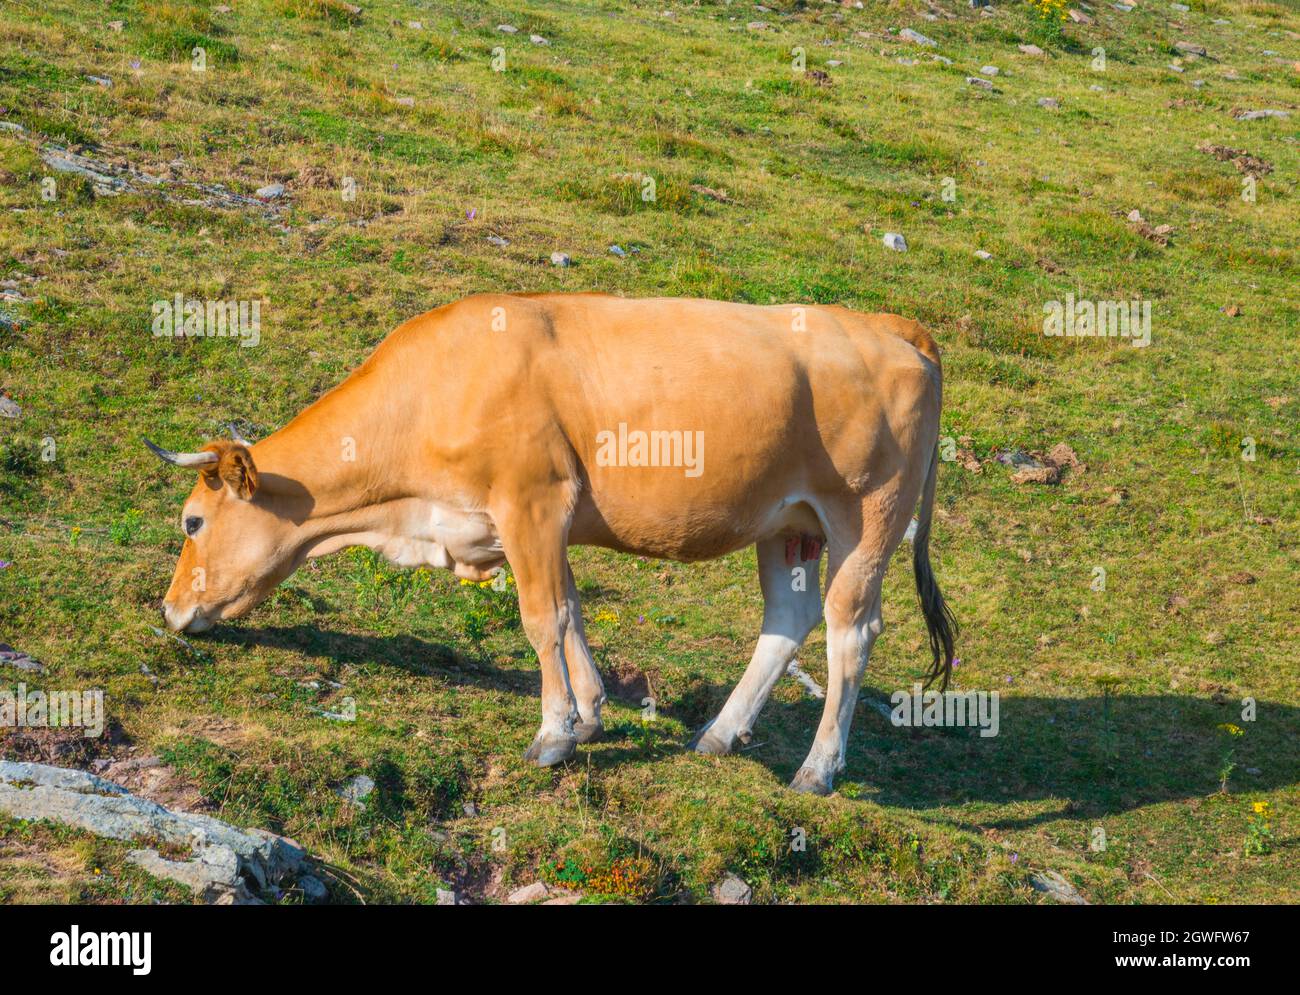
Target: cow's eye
192,524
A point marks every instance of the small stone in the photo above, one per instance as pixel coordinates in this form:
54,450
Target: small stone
509,29
405,101
1056,887
757,25
313,889
560,259
415,25
1182,8
731,890
115,25
1191,48
1050,103
907,34
538,40
617,250
1254,771
1259,115
563,900
1123,7
981,254
103,81
989,70
1078,16
534,892
1097,88
834,63
271,191
1030,49
445,897
9,409
982,83
498,241
357,790
470,810
893,240
1175,68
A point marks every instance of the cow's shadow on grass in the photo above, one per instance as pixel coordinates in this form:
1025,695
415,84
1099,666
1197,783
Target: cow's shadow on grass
405,652
1086,757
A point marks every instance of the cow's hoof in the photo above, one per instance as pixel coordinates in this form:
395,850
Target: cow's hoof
809,782
547,751
589,732
706,742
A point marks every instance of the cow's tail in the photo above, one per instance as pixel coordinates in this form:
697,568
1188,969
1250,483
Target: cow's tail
939,619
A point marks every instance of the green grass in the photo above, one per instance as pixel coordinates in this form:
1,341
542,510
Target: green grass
1111,701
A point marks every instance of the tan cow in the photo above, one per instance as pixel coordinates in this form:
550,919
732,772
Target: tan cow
508,428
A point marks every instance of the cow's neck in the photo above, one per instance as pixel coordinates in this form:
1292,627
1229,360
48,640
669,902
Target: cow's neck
348,471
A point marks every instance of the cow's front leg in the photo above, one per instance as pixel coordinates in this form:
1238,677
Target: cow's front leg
584,679
536,551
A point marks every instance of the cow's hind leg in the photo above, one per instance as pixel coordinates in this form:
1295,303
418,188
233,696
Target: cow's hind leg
584,679
791,608
853,621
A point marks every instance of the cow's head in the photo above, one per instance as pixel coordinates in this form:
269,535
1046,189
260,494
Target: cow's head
236,548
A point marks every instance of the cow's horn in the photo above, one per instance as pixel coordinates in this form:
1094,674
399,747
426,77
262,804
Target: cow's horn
234,434
181,459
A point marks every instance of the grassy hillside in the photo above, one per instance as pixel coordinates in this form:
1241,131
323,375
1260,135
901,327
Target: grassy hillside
771,184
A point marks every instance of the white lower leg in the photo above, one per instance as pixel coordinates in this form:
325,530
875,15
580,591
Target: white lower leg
791,607
848,648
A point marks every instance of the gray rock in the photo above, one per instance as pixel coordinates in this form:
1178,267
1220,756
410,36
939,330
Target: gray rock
563,900
1050,103
272,191
509,29
445,897
1182,8
313,889
82,800
1056,888
989,70
529,893
1259,115
103,81
907,34
212,874
732,890
895,241
981,254
10,657
357,790
538,40
498,241
561,259
13,126
1191,48
617,250
1030,49
984,84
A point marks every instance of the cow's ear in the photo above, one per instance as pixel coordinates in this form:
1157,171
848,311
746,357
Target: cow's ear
234,467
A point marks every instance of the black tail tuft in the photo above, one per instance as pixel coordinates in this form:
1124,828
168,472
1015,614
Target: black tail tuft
939,619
